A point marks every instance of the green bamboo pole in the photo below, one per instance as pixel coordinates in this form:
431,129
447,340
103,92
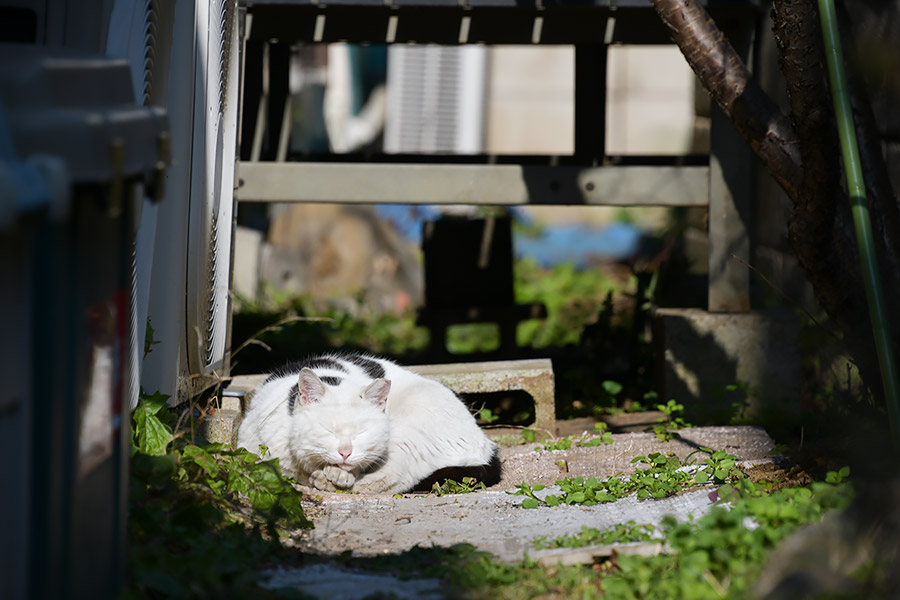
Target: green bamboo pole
860,209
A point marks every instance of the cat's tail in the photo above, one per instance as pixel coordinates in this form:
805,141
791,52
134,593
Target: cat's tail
489,474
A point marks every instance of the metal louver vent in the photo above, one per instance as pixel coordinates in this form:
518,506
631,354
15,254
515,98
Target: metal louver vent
225,13
435,99
151,25
212,287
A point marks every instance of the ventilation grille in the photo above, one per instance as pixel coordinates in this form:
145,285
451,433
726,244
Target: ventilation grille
151,35
223,11
423,98
213,287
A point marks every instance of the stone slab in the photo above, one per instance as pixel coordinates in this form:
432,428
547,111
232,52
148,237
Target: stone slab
592,554
494,521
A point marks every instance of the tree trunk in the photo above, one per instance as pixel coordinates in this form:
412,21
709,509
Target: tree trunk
820,229
883,207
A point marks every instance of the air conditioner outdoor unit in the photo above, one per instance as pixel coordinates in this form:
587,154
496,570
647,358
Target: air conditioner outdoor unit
185,56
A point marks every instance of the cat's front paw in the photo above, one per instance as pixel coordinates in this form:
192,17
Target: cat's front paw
339,477
319,480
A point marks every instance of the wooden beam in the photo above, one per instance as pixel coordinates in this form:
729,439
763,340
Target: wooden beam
384,183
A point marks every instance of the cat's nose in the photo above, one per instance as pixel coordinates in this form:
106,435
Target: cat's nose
345,453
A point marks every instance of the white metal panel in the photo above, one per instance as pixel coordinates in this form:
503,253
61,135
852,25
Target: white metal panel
184,57
212,184
149,33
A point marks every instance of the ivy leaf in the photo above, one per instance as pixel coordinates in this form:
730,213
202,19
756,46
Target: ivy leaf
613,388
530,503
151,435
201,457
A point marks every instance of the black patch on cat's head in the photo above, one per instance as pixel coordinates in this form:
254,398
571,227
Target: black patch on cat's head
313,362
293,396
331,380
372,368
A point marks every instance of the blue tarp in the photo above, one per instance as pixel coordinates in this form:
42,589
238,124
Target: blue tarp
571,243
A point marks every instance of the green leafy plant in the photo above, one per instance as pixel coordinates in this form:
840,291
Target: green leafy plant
486,415
558,444
664,476
837,477
720,554
466,486
570,295
149,340
231,479
200,515
622,533
600,432
672,422
720,467
613,388
600,436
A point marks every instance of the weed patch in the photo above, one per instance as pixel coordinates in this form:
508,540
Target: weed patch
201,516
466,486
666,427
716,556
622,533
664,476
600,436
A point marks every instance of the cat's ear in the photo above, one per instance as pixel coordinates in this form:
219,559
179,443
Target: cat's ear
309,387
377,392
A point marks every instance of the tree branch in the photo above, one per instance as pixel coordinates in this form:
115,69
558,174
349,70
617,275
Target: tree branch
755,116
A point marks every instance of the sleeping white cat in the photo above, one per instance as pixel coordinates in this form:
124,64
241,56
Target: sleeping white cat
366,424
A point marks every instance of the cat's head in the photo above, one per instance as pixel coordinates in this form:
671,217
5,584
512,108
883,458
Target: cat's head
343,425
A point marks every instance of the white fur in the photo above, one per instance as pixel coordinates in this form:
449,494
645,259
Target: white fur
422,427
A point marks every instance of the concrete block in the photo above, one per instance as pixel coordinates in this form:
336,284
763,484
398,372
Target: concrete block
533,376
724,365
221,427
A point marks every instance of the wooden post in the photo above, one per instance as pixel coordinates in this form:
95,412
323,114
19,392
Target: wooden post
590,102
